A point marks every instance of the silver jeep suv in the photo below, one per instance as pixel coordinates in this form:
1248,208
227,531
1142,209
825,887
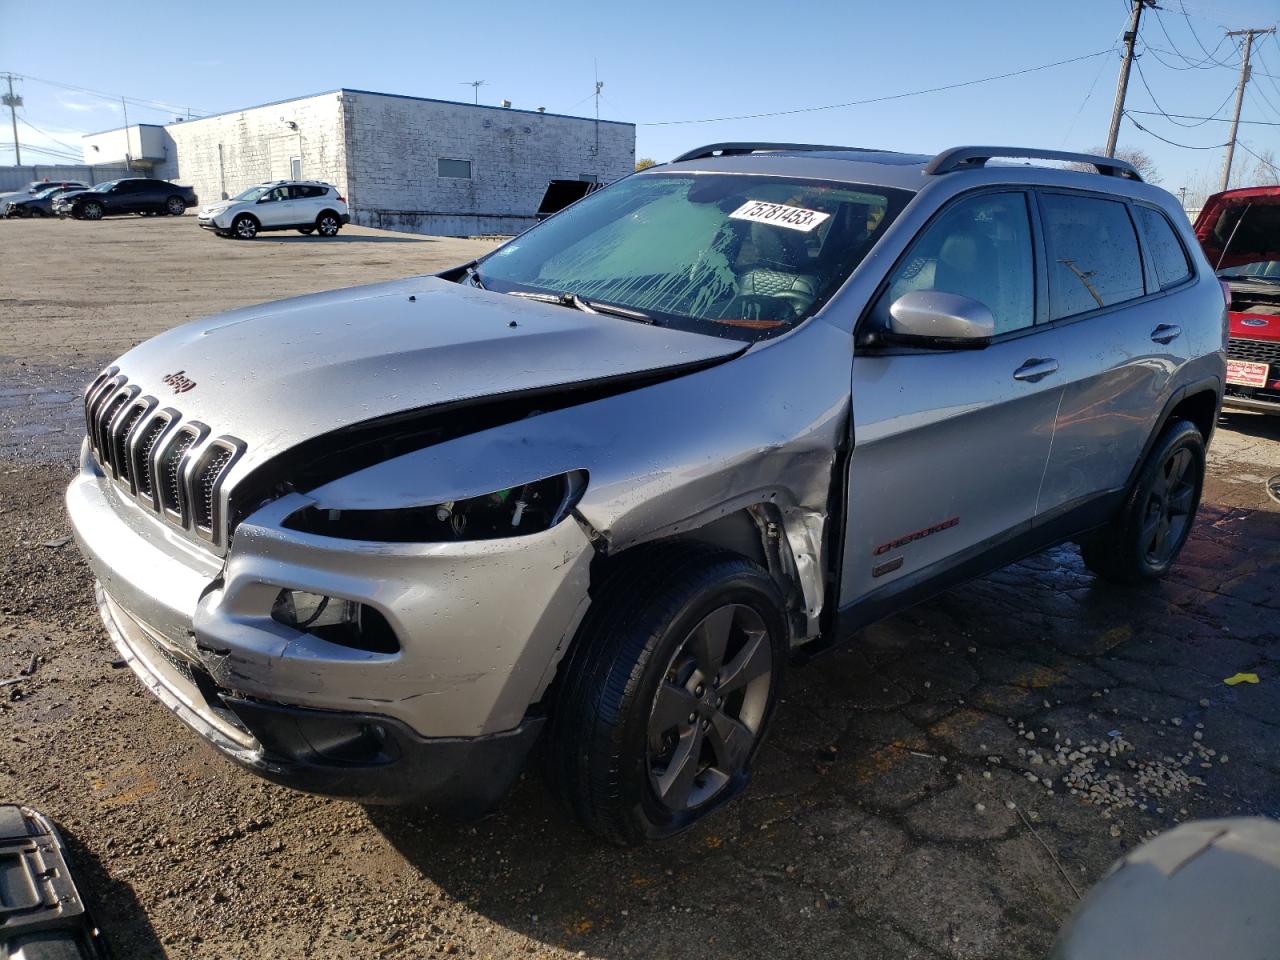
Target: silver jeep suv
600,486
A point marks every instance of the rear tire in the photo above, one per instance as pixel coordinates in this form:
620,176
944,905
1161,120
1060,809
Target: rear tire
667,691
1146,536
175,207
244,227
328,224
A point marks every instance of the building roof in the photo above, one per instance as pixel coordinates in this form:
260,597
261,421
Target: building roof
368,93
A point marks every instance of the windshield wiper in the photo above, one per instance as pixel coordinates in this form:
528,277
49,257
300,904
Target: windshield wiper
586,306
474,276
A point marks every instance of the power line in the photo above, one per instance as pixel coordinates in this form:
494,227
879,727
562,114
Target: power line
892,96
159,106
1156,51
1185,146
1166,114
1245,147
1189,116
1209,57
45,133
1096,77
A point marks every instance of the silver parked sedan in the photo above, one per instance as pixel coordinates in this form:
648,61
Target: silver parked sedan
602,485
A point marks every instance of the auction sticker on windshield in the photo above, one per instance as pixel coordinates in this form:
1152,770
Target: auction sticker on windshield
780,215
1246,374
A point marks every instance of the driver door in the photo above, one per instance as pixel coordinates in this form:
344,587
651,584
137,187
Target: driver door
275,208
949,445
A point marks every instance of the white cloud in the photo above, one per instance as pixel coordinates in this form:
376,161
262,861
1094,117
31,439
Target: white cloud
93,106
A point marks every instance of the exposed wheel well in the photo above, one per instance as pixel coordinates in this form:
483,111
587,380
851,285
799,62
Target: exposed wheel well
325,211
250,216
754,532
1200,408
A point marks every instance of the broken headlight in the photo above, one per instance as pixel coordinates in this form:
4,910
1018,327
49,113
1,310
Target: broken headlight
512,512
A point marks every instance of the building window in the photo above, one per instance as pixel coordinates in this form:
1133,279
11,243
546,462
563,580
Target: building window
295,168
457,169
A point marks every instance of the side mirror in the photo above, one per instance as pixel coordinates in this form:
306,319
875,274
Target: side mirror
932,317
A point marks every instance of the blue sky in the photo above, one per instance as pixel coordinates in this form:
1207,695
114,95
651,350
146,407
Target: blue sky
670,62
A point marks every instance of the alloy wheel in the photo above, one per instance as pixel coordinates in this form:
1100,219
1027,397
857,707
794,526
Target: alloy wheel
709,708
176,207
328,226
246,229
92,211
1170,503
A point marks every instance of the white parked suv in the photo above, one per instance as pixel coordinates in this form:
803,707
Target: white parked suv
307,206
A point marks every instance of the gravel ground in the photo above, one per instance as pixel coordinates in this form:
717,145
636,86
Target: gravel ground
945,786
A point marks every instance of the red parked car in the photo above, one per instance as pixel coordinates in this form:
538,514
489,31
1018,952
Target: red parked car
1240,233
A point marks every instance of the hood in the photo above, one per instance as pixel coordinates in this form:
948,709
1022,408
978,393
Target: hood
218,206
277,374
1240,232
71,193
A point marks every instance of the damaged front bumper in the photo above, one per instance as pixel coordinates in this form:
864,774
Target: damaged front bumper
448,718
367,757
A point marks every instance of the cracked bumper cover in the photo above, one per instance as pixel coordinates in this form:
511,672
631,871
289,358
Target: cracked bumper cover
446,719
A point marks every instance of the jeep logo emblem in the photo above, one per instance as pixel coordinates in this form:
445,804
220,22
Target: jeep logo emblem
180,382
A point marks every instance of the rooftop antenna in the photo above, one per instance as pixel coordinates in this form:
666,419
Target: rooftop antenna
599,87
475,85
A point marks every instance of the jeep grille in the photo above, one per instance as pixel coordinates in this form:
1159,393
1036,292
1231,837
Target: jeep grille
170,466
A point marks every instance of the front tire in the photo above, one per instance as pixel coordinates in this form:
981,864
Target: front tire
91,211
1145,538
244,227
306,231
668,691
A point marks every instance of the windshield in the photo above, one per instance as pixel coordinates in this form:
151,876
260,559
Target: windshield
732,255
47,193
104,187
253,193
1244,240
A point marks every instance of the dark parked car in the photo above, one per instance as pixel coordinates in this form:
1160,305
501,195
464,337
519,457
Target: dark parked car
39,204
131,195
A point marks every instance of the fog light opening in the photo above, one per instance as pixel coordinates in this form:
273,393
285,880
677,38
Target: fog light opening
342,622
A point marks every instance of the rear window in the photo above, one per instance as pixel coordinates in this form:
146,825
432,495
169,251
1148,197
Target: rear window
1170,257
1093,254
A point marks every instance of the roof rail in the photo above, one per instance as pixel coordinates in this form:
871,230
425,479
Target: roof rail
961,158
735,149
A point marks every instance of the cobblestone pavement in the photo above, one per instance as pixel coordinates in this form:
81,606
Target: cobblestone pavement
945,786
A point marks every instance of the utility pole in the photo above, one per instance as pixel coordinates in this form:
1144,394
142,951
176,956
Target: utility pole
128,141
1122,82
1244,79
13,102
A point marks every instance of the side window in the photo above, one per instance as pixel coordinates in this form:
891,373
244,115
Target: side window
978,248
1172,265
1093,254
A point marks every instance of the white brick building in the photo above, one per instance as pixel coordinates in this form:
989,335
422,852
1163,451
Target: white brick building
404,163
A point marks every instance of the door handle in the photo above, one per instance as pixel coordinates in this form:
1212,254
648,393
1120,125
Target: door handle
1036,369
1166,332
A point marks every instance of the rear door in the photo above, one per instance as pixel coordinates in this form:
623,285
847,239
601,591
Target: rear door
950,445
1116,337
307,202
123,197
